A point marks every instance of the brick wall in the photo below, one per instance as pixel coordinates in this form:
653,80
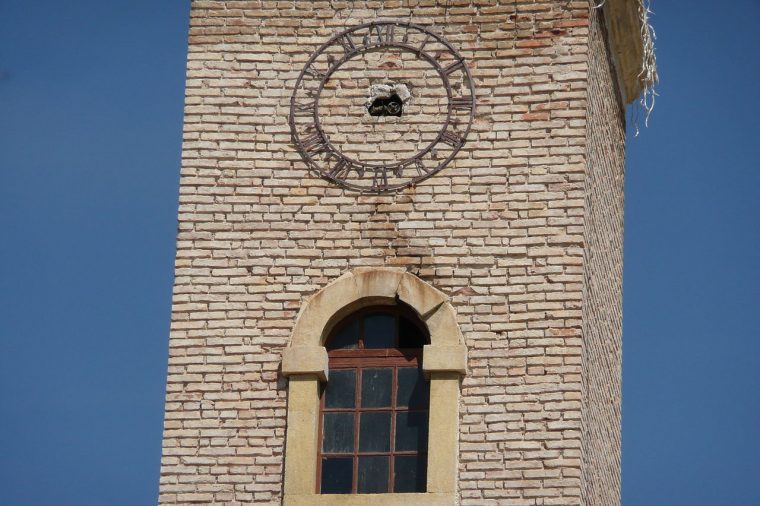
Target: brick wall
603,277
501,230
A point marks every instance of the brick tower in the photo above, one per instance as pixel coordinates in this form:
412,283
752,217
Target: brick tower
399,257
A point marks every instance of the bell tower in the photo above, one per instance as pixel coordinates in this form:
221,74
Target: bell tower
398,276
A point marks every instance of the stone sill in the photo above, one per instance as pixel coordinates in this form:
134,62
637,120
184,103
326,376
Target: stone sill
430,499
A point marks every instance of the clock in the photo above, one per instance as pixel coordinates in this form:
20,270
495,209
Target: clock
381,106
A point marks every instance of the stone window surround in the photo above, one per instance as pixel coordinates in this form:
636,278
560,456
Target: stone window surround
305,364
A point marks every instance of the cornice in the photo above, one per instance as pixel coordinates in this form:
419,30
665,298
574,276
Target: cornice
624,32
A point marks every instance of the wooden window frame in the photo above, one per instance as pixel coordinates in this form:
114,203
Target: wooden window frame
360,359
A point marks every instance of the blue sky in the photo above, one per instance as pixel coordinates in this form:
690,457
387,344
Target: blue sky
90,130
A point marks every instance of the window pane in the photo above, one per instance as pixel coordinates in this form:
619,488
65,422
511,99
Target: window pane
341,389
346,338
411,431
409,473
375,431
337,474
376,388
380,331
338,433
373,475
409,335
412,388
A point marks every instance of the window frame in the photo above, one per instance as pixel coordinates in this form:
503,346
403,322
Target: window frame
359,360
305,364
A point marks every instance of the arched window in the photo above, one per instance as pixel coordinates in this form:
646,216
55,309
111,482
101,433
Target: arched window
373,420
381,337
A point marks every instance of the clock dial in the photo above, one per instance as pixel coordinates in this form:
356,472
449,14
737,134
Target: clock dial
382,106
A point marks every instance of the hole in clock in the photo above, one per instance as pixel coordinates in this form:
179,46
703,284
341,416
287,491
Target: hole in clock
388,99
386,106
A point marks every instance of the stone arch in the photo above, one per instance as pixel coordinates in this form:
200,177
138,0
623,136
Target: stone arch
365,286
371,286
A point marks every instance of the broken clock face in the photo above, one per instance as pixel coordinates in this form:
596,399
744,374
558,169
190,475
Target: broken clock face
382,106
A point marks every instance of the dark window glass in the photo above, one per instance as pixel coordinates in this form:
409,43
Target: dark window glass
338,430
376,388
346,338
411,430
379,331
375,431
337,473
341,389
410,335
373,475
412,388
409,473
374,409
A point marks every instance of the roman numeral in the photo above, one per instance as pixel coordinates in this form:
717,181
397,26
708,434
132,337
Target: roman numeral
390,34
385,34
310,92
419,167
453,67
348,45
313,72
452,139
380,178
314,144
462,103
306,109
340,170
